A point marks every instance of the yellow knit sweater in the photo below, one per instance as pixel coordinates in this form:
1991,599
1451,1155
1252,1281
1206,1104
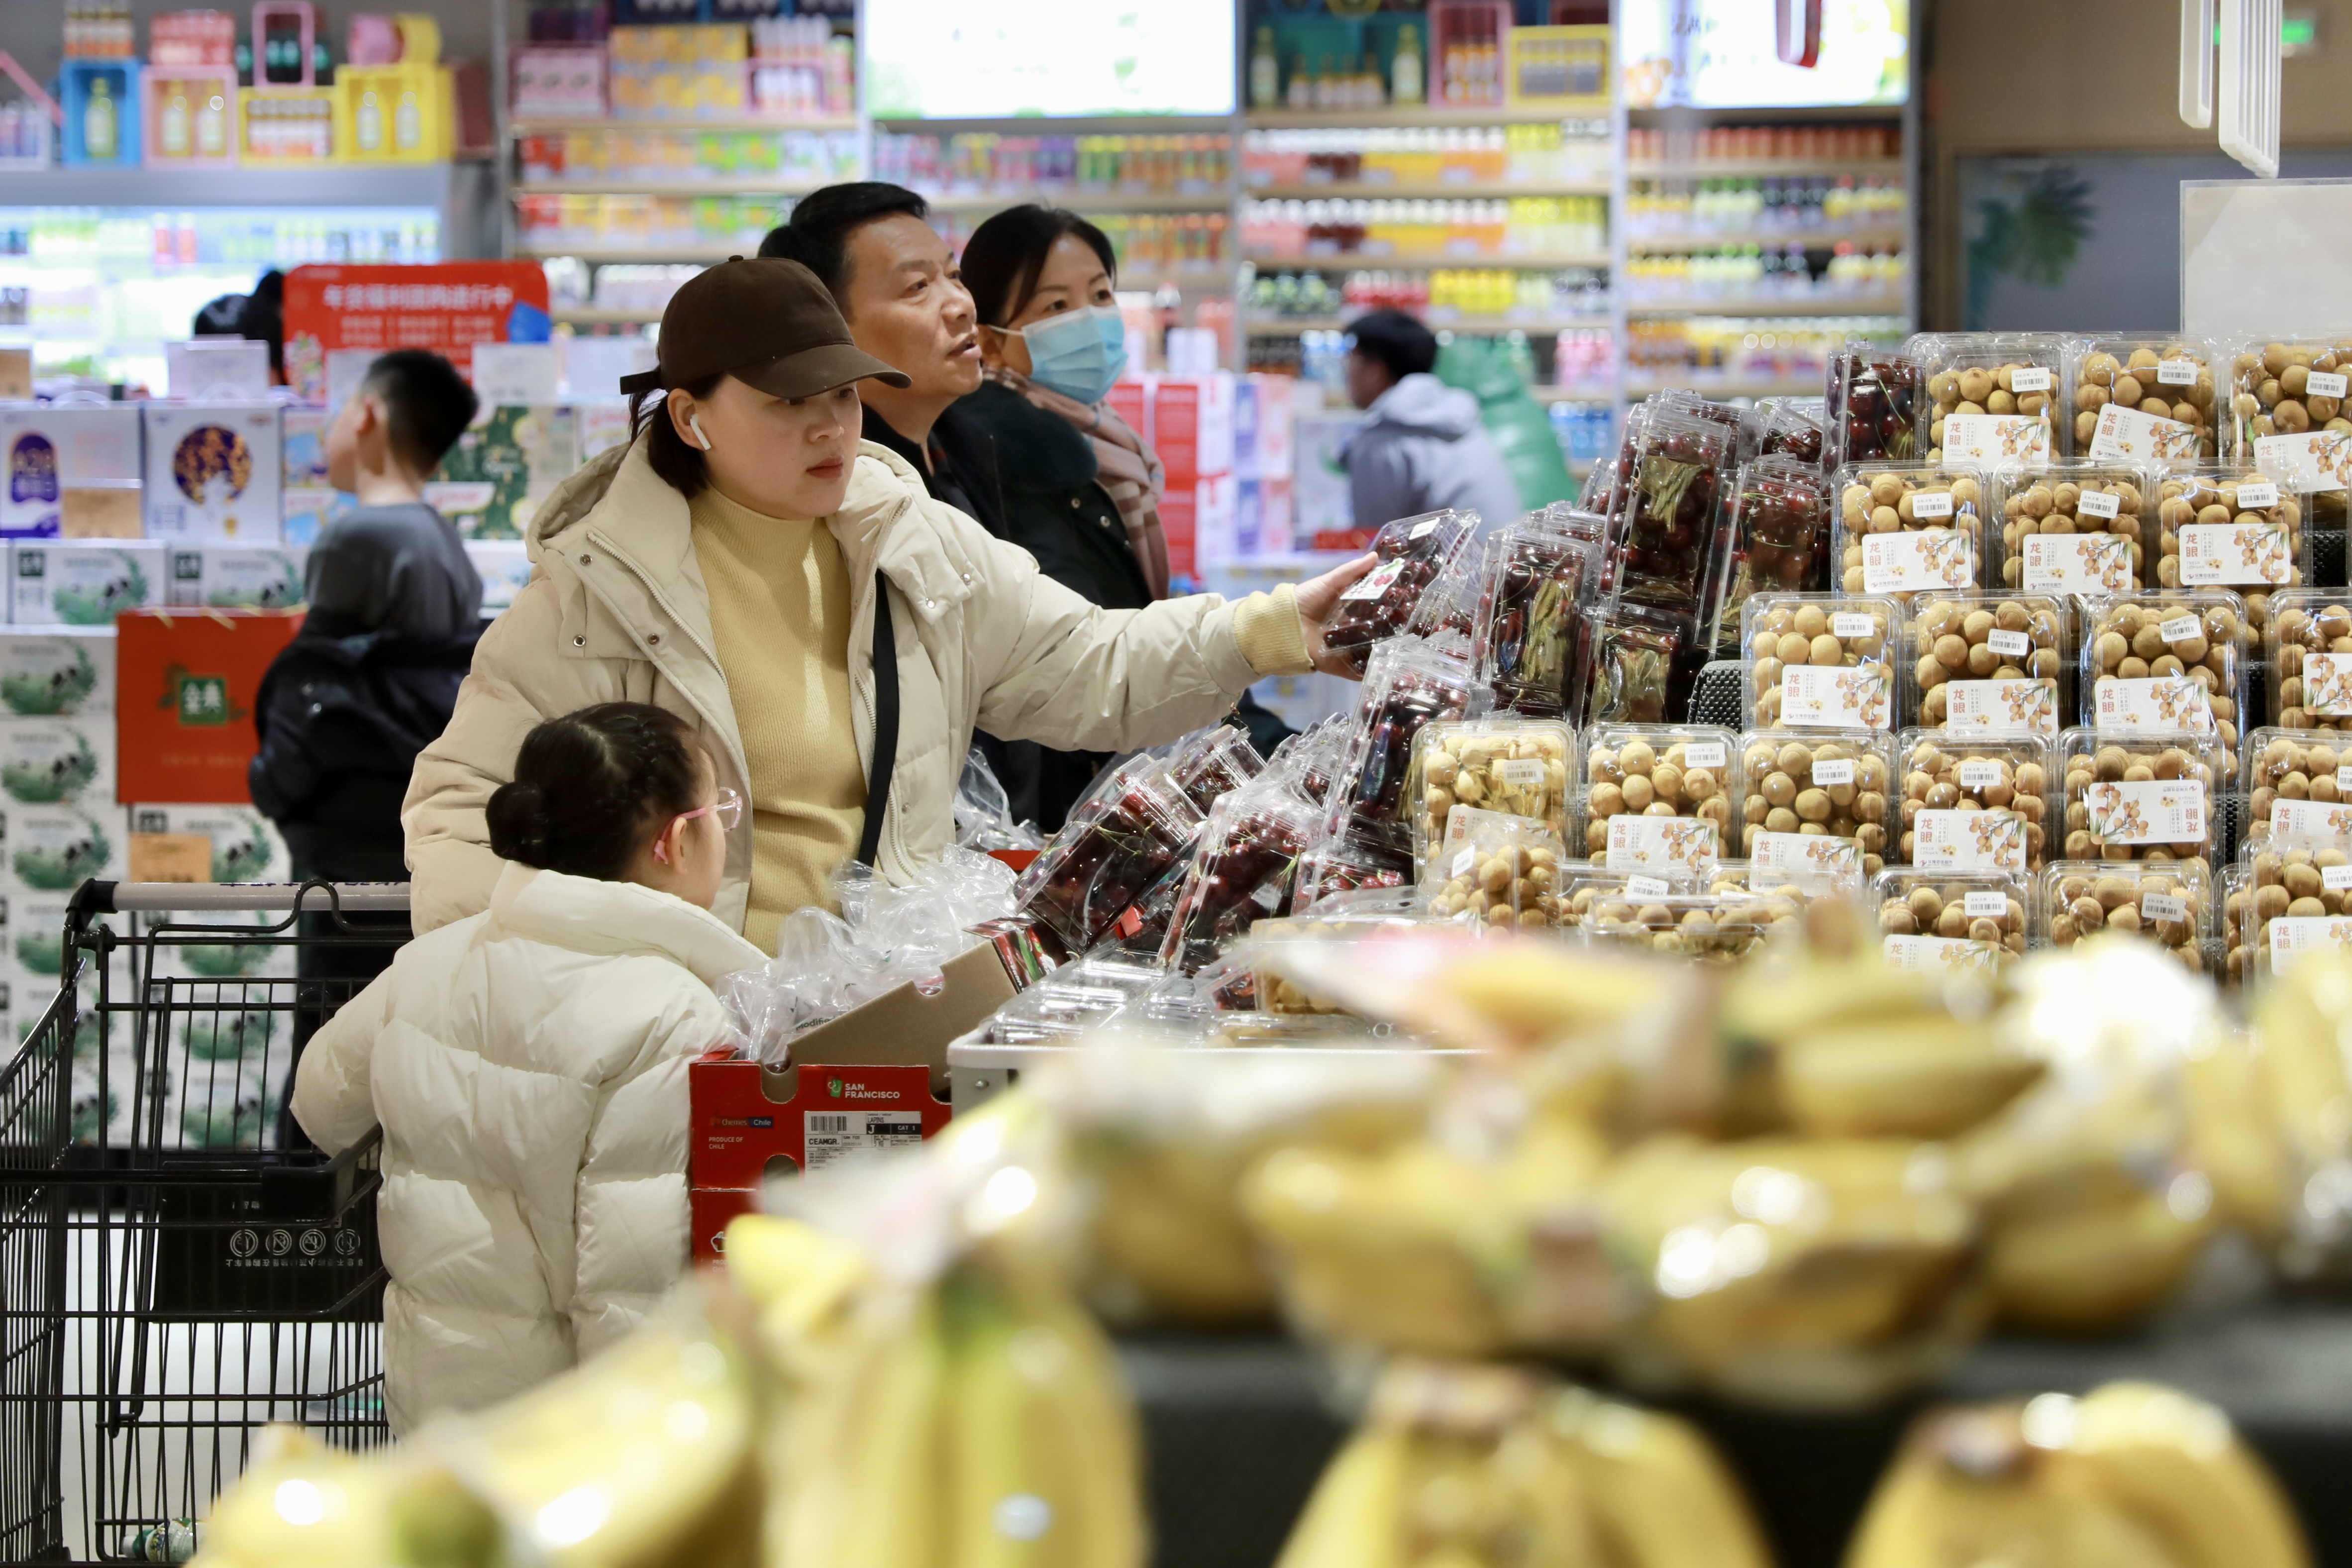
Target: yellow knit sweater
779,615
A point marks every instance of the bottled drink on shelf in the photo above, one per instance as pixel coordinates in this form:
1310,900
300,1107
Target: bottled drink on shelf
1266,71
1404,69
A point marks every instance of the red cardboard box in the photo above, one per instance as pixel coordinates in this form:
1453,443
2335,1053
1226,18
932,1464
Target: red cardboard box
711,1208
1131,401
1192,427
185,682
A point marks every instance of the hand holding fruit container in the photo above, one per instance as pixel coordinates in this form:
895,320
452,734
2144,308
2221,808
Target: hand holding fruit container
1664,536
1537,574
1412,553
1409,684
1241,869
1121,839
1873,408
1779,537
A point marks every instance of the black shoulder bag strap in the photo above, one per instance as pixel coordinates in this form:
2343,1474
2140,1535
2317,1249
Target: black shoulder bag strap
885,724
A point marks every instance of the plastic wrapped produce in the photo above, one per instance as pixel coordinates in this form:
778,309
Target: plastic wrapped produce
1780,539
1537,574
1333,866
1409,684
1826,783
1936,921
1503,874
1665,536
1413,553
1339,916
1465,770
2272,391
1902,529
2168,903
2138,652
2304,881
1793,427
2231,528
1314,755
1241,871
2001,387
1215,763
2298,766
2308,644
1946,776
1820,662
1990,661
1118,841
2073,527
2138,797
1872,412
1702,927
2236,894
1663,772
2161,392
1628,664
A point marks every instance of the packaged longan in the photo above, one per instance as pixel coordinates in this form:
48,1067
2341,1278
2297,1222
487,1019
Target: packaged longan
1665,771
2303,880
1466,769
2162,394
2167,902
1792,890
1708,928
1903,528
2236,894
1939,770
1503,875
2308,645
2002,385
1832,782
2139,650
2137,797
2231,528
1822,660
2292,765
1987,661
2073,526
1925,914
2272,391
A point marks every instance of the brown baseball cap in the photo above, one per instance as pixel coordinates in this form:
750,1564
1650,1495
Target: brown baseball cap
763,321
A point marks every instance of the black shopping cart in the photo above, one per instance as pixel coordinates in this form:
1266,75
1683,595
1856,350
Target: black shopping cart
178,1268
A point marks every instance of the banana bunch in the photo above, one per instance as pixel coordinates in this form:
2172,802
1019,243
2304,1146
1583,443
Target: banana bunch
2304,1023
1461,1466
301,1502
2129,1476
2095,1209
976,1420
1792,1271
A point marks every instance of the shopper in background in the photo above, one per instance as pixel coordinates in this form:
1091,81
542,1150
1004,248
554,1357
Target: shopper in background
528,1067
1420,446
259,316
746,564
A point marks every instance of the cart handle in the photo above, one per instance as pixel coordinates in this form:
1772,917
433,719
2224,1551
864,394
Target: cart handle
96,898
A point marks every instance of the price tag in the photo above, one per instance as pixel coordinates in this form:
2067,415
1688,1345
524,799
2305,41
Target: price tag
2176,372
1707,755
1647,886
2326,383
1521,773
1980,775
2163,907
1464,862
1929,504
1421,531
2336,878
1826,775
2180,628
1987,906
2253,496
2029,381
1849,624
2343,777
1377,584
2099,503
2008,645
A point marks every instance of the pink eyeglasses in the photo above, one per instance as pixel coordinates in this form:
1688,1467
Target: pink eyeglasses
729,807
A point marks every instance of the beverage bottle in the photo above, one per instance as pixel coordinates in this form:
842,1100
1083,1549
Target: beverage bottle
172,129
1405,71
212,127
1266,87
1301,93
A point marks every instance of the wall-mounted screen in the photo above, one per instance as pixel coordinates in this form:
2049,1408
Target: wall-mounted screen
976,60
1725,54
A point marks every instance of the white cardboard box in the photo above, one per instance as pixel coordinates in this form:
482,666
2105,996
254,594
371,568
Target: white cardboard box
80,582
302,434
247,846
53,849
505,567
214,472
68,670
236,576
303,514
57,762
50,449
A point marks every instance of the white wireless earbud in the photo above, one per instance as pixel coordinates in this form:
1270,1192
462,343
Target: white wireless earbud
694,422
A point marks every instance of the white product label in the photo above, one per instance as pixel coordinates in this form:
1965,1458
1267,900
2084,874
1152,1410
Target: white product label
1521,773
1374,585
1931,504
2327,684
1970,841
1815,862
1466,821
2099,503
1849,624
2163,907
2215,552
2315,460
2310,819
2008,645
1926,558
2336,878
2029,381
830,1135
1827,773
2002,707
2147,811
2253,496
1707,755
1837,697
1420,531
2325,384
2078,564
1647,886
2292,936
2126,434
1680,845
1995,438
2344,776
1986,906
2176,372
1982,775
1941,954
2180,628
1464,860
2167,704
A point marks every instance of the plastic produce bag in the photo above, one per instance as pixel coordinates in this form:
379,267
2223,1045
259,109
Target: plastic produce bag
983,814
1520,426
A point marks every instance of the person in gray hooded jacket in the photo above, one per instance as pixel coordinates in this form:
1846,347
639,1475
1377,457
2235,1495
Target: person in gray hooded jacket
1421,448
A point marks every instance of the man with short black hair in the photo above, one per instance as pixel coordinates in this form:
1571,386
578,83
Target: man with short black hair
1421,446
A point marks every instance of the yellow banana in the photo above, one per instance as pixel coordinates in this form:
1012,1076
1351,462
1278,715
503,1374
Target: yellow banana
1351,1520
301,1502
2174,1462
860,1473
1660,1496
2093,1268
1000,1505
2235,1138
1089,1423
1919,1076
794,1274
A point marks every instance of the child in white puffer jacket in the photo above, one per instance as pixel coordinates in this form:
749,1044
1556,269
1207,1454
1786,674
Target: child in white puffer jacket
527,1066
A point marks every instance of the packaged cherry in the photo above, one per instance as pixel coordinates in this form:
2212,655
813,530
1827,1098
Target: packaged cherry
1537,574
1626,667
1662,537
1413,551
1122,837
1410,683
1241,869
1310,759
1872,409
1334,866
1212,763
1780,540
1793,427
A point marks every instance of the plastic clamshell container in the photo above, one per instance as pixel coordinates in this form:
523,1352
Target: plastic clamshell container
1997,662
1942,771
1922,907
1333,867
2304,881
1410,684
1536,575
2076,899
1241,868
2132,797
2163,393
1624,672
2231,528
2137,648
2306,769
2002,386
1413,553
2073,526
1903,528
1872,412
1213,764
2237,922
1666,771
2308,645
1123,837
1504,876
1780,539
1701,927
1465,770
2271,391
1821,661
1667,534
1341,917
1835,783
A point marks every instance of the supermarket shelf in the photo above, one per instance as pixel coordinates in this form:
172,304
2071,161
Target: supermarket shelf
1776,114
563,127
1762,168
602,316
1813,239
1841,305
1448,192
670,187
1544,393
1355,260
1062,125
710,255
333,185
1191,279
1088,201
1736,386
1283,326
1425,114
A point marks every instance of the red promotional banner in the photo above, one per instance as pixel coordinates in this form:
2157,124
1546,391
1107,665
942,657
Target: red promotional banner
444,305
